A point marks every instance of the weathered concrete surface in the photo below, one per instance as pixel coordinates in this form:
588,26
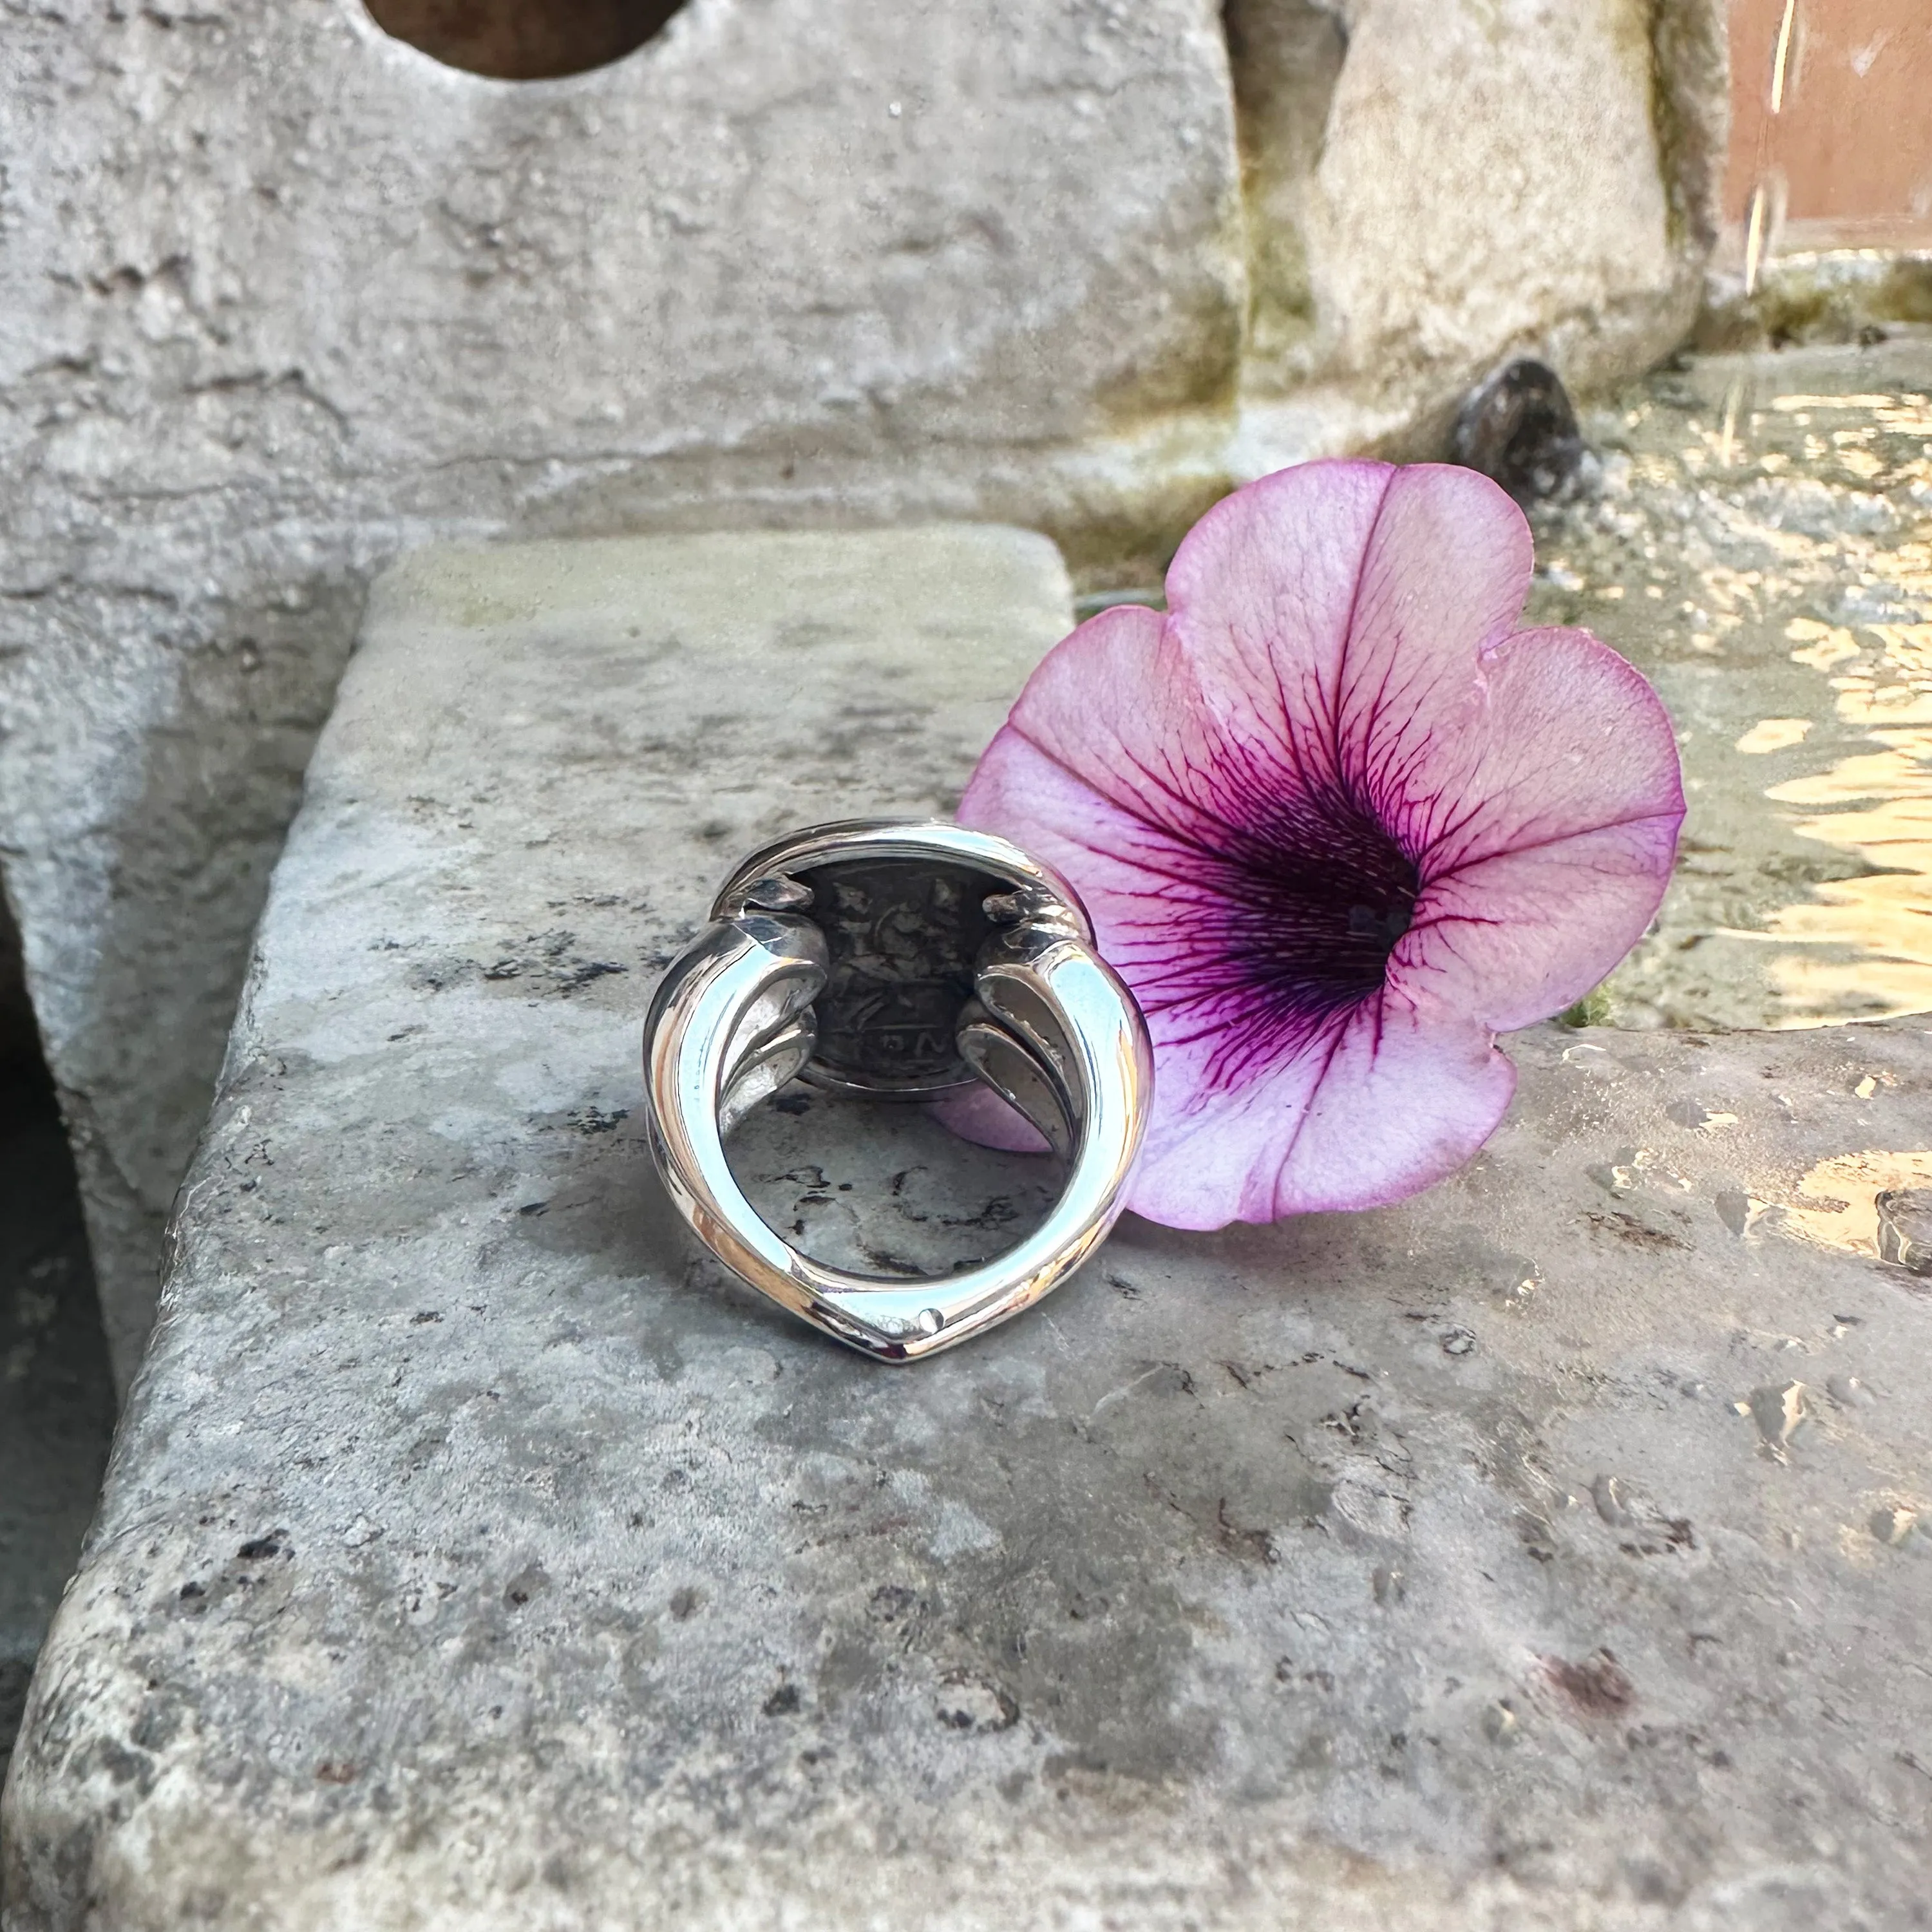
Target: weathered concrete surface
279,293
1546,1552
1434,185
1839,296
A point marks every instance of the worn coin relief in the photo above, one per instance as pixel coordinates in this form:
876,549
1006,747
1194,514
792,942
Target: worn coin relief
904,939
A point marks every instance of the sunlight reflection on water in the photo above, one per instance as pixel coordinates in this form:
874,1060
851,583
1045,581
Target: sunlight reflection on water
1763,550
1838,1200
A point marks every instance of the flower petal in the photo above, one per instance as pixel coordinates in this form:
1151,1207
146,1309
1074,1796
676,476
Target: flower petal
1117,706
981,1116
1333,736
1333,612
1396,1100
1132,873
1560,805
1402,1095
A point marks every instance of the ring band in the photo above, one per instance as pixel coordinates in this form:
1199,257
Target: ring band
911,961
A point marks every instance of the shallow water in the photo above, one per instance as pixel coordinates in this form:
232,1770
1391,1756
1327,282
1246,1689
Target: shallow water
1761,549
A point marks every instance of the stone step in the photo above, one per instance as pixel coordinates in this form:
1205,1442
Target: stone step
1545,1551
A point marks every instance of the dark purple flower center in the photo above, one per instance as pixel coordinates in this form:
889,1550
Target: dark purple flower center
1284,925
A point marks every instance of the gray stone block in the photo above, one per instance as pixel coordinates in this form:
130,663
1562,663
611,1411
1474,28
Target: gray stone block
1548,1551
280,296
1434,185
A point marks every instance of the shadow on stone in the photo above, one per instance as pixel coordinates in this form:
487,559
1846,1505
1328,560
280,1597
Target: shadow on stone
56,1399
221,781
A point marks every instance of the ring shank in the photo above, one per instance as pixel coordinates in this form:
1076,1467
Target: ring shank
731,1022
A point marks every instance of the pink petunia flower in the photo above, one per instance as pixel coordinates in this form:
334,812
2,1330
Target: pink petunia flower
1339,823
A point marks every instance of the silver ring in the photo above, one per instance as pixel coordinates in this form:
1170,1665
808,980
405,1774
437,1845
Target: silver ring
908,961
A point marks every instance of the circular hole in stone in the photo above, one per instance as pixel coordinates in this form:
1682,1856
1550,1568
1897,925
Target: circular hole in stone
515,39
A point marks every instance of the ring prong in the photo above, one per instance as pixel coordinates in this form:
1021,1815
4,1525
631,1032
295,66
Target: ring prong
1007,1065
778,893
764,993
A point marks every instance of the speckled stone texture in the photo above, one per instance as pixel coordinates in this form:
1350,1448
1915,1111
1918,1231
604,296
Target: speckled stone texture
1545,1553
280,296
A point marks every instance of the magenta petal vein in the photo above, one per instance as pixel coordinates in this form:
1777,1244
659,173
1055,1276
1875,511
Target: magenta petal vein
1339,823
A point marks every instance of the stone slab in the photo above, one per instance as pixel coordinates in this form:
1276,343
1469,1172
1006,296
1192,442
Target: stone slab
1545,1552
281,296
1435,185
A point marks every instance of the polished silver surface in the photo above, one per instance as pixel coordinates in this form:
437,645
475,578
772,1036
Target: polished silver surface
903,961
